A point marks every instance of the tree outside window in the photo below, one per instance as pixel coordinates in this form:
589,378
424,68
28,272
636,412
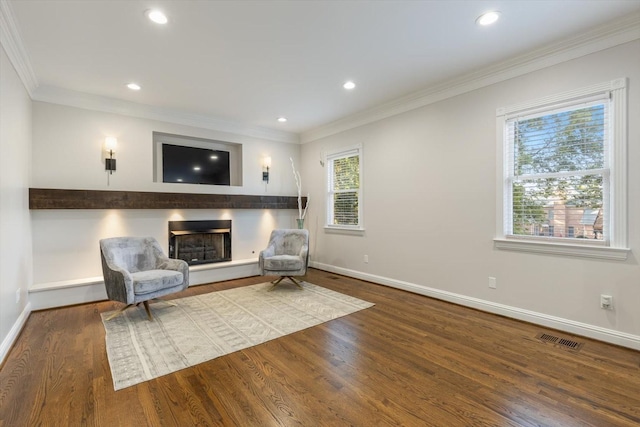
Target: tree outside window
344,189
565,169
558,170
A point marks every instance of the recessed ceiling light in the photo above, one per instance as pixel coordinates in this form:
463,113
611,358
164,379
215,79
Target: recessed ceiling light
282,119
134,86
156,16
196,168
488,18
213,157
349,85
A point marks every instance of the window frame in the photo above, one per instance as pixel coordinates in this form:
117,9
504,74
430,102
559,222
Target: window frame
616,246
355,150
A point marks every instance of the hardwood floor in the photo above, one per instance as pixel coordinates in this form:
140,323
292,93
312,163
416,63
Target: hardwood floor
409,360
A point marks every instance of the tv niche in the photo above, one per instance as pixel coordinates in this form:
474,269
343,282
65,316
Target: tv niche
192,165
181,159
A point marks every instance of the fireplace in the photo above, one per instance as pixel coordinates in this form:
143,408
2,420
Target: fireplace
200,242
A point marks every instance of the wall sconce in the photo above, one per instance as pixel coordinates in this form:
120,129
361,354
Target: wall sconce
110,145
266,164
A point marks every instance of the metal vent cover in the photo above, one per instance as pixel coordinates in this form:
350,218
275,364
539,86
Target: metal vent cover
561,342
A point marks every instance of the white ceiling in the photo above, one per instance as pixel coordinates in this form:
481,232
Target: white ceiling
250,62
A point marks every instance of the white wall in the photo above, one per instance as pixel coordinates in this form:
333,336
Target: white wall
15,228
67,153
430,208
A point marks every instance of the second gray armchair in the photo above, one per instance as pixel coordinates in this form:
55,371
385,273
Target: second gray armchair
287,255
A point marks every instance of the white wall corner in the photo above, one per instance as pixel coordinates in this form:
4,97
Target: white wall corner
578,328
11,338
12,43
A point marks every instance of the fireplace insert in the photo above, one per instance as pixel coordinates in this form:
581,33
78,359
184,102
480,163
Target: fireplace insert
200,242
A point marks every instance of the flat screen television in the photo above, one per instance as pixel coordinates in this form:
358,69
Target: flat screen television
192,165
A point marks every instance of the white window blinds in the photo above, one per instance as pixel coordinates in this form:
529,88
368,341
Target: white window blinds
344,189
557,175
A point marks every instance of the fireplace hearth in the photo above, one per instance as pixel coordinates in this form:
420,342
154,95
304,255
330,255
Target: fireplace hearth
200,242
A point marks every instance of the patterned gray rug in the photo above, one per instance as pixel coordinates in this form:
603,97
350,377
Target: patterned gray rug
203,327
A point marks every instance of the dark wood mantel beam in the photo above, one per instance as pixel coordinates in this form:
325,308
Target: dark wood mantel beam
45,198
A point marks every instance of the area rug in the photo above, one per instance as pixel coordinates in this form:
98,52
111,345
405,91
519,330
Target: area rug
203,327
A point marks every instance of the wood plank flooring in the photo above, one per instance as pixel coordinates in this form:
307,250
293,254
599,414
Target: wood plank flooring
407,361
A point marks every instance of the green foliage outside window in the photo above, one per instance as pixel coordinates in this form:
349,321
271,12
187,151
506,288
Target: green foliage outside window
345,188
558,158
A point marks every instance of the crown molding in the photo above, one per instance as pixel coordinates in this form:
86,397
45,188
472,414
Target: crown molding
604,37
56,95
12,44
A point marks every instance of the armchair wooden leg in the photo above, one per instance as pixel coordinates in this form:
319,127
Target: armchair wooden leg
275,282
146,307
116,313
172,304
295,281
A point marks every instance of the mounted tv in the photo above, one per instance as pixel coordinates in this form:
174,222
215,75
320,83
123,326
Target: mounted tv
192,165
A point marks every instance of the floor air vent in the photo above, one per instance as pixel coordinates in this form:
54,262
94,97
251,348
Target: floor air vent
565,343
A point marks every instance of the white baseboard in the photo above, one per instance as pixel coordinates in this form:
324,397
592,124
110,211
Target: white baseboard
12,336
578,328
91,289
80,292
58,294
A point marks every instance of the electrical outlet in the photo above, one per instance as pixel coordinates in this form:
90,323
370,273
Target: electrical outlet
366,259
606,302
17,296
492,283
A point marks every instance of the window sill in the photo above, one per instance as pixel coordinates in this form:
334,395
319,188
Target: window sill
582,251
344,230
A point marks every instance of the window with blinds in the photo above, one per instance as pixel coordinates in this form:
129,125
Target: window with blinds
558,173
563,179
344,189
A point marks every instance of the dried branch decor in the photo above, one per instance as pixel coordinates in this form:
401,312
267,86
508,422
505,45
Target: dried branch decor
301,213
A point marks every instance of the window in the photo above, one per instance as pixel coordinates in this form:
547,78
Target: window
557,161
344,189
564,172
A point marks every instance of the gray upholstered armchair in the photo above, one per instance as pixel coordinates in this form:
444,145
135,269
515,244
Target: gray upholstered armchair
287,255
136,270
